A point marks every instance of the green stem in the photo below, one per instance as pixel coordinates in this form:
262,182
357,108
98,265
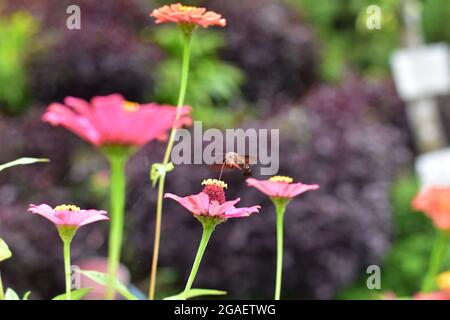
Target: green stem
151,293
67,269
184,69
280,209
118,185
437,255
208,229
159,206
66,233
2,293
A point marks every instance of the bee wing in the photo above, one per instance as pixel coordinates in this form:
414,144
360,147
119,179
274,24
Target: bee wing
244,159
232,160
250,160
219,166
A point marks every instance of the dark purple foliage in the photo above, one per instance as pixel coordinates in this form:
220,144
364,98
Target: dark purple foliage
272,45
106,55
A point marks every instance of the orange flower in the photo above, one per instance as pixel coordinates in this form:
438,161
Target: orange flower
179,13
435,203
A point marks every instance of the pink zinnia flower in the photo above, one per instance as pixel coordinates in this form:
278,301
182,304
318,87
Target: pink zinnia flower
68,215
435,203
179,13
281,187
111,120
281,191
211,202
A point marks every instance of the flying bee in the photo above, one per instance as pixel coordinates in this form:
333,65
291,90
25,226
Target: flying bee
233,160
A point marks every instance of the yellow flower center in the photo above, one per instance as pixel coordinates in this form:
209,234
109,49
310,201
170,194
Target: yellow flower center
443,281
281,179
220,183
67,207
131,106
186,8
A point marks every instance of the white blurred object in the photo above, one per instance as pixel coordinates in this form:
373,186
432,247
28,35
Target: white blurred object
433,168
425,120
421,72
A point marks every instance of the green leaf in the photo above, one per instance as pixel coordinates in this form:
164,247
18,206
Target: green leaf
10,294
5,253
158,170
22,161
26,295
196,293
102,278
75,295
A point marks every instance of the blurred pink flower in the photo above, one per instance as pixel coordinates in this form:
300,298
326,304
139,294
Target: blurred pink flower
211,202
435,203
179,13
388,296
111,120
281,187
437,295
68,215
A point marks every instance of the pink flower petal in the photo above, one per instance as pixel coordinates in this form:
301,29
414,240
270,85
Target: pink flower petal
44,210
58,114
217,209
241,212
81,106
296,189
263,186
91,216
197,204
107,120
68,217
279,189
